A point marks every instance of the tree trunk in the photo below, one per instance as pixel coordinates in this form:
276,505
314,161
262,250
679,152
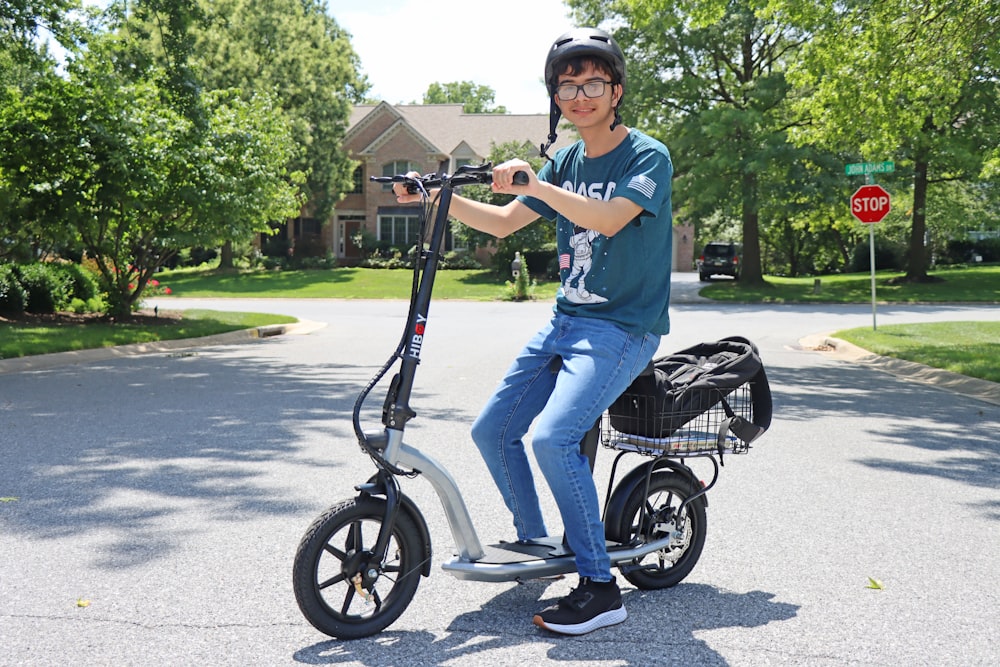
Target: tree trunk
916,267
750,273
226,256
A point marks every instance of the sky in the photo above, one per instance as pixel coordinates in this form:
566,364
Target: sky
406,45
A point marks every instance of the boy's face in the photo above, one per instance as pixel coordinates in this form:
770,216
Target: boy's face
580,109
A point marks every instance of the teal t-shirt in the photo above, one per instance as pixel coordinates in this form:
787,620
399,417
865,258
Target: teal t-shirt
623,278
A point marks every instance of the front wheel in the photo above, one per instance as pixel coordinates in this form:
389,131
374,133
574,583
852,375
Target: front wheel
652,513
342,587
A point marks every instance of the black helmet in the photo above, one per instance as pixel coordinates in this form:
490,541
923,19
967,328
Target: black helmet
587,43
577,43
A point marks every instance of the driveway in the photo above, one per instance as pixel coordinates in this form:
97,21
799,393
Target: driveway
152,503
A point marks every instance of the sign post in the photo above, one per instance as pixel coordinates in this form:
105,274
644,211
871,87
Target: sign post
870,204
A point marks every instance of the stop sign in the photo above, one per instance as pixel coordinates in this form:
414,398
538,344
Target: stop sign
870,203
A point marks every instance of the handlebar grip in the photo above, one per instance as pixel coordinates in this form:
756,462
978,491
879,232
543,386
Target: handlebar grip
520,178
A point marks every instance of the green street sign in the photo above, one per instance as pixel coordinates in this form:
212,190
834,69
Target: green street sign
865,168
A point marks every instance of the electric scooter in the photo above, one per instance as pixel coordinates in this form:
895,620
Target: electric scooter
359,564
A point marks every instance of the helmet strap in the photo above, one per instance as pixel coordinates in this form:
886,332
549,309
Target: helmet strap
554,114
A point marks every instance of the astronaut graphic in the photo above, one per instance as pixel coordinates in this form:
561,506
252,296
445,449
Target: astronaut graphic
581,243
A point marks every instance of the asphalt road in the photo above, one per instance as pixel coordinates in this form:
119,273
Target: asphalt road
152,503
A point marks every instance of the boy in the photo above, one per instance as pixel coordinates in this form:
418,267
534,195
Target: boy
609,194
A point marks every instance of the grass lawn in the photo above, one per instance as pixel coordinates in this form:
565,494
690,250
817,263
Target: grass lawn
340,283
979,284
41,335
968,348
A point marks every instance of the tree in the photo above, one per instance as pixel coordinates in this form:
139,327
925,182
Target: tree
914,80
707,77
107,158
473,98
24,23
294,52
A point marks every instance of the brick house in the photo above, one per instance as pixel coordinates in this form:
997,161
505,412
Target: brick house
390,139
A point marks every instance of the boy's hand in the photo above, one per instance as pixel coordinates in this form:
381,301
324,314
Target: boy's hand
503,178
402,196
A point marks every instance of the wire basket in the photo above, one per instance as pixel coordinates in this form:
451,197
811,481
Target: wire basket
639,425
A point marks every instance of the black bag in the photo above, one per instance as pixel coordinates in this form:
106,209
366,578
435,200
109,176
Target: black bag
675,389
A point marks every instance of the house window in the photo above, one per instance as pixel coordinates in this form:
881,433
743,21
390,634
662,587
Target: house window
400,231
359,181
306,227
393,168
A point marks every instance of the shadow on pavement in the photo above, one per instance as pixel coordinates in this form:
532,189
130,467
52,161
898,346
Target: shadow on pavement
661,623
127,448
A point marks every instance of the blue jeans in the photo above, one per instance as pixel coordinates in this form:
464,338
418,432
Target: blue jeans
566,376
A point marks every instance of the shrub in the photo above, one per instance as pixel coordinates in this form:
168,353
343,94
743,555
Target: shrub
12,295
460,259
46,290
888,255
81,283
988,249
80,306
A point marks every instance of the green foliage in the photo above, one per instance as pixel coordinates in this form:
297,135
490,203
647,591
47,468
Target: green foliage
473,98
523,287
13,296
45,288
888,256
708,79
535,236
293,52
905,80
762,102
102,156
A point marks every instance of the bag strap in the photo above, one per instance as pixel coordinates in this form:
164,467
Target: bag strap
740,427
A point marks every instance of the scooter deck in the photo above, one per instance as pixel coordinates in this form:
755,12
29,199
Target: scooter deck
523,552
512,561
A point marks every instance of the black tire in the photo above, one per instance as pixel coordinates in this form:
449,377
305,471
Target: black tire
704,277
666,567
336,549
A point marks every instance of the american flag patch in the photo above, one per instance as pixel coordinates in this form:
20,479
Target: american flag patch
643,184
564,261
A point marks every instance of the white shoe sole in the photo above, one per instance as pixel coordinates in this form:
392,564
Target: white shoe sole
613,617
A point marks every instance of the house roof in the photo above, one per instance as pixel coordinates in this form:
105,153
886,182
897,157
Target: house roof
446,128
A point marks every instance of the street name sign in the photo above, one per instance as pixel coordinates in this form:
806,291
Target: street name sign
865,168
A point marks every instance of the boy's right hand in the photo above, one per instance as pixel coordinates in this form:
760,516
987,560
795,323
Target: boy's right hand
402,196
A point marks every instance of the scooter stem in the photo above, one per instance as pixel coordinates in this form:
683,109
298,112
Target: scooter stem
455,509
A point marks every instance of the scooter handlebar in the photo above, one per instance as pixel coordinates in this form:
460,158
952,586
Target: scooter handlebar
465,175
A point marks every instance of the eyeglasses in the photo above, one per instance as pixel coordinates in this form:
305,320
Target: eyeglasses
569,91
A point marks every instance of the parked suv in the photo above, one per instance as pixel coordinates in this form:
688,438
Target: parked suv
720,258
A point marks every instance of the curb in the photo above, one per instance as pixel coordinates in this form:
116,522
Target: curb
836,348
46,361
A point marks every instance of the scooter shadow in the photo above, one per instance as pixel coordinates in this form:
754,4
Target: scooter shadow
660,623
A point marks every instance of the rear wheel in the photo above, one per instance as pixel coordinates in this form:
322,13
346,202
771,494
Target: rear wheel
343,588
653,513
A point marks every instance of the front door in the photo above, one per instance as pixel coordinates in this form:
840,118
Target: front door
349,249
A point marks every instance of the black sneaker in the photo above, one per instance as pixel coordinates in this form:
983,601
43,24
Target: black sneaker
589,606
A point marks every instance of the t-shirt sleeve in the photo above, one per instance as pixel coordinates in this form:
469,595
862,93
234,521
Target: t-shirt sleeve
647,182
